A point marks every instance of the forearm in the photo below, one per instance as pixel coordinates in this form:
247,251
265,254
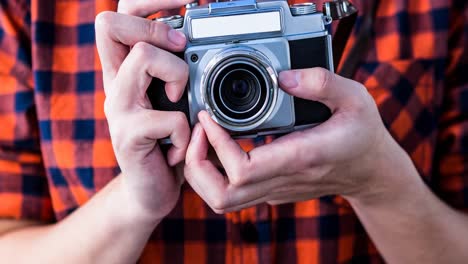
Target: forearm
407,222
107,229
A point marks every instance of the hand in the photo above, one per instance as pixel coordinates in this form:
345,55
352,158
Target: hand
339,156
132,51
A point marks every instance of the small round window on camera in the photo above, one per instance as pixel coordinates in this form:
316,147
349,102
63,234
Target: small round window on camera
194,58
327,20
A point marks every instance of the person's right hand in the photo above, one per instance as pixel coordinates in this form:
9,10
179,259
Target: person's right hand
133,50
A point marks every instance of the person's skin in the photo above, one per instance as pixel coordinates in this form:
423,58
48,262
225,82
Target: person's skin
352,154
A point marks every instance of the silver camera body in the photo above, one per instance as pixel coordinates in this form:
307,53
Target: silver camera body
235,51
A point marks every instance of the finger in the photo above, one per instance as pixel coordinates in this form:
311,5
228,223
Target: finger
156,125
213,187
234,160
144,8
258,193
284,156
287,189
243,206
131,131
297,197
300,192
142,64
198,146
203,151
221,196
115,33
321,85
199,172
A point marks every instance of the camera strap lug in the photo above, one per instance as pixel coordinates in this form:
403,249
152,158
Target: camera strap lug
362,43
344,11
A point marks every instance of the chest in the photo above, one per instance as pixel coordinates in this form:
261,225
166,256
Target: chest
402,69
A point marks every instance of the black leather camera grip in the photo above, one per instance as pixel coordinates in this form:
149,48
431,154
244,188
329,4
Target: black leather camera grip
310,53
158,97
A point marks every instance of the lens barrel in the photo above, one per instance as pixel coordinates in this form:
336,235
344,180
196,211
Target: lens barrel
239,91
240,88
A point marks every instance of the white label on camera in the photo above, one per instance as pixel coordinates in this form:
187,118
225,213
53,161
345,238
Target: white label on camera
236,25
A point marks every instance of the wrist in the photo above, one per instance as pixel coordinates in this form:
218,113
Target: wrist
125,208
391,176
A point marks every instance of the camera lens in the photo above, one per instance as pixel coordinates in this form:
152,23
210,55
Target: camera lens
239,87
240,90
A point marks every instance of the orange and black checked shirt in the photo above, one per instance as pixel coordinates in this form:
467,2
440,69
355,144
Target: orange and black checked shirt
55,151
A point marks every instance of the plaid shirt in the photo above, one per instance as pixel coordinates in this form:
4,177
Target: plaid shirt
55,150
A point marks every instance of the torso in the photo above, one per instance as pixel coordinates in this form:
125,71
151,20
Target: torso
325,230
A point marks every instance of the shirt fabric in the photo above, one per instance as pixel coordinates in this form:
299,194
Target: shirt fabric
56,153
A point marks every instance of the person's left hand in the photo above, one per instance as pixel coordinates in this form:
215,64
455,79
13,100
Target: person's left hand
340,156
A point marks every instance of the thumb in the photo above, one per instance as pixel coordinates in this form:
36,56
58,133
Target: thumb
321,85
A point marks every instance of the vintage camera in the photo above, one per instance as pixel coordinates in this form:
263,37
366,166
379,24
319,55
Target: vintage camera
235,51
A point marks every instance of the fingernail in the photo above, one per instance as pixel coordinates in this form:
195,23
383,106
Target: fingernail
176,37
202,116
289,79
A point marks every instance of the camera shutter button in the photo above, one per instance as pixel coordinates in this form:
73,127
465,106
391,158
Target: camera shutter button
303,9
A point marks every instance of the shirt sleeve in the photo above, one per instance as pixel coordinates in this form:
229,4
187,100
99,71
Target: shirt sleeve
23,183
451,178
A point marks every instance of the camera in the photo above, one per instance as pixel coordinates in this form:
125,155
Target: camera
235,51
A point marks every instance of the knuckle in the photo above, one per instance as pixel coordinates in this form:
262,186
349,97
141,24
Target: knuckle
124,139
218,206
107,108
360,105
324,77
362,101
367,97
218,140
179,77
180,120
117,137
188,171
129,140
142,50
219,212
308,159
219,203
238,177
155,30
124,7
110,108
104,20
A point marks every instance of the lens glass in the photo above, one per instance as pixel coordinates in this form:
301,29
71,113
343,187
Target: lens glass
240,90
